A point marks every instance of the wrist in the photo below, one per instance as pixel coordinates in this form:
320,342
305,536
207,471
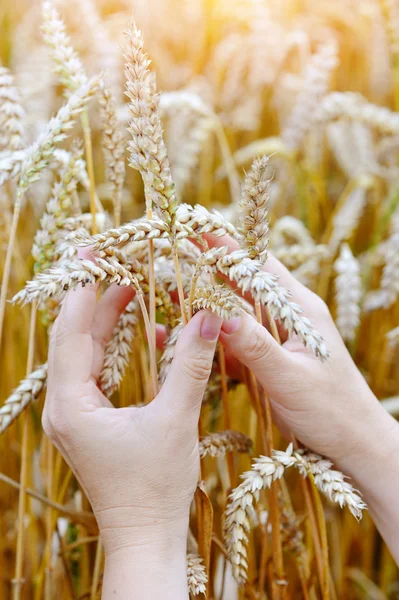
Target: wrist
374,440
122,531
152,570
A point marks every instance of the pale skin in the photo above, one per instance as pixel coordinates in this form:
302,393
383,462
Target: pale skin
139,466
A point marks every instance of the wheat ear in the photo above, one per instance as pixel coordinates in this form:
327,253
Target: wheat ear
113,148
348,293
222,442
68,66
27,391
118,349
196,575
254,220
12,133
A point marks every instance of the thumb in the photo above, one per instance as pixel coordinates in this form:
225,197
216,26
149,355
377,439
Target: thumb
191,367
255,347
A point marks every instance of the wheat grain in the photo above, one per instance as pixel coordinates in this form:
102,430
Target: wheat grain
348,293
27,391
254,220
218,444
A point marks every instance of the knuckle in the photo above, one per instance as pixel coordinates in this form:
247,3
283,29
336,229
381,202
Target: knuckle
197,367
55,424
258,345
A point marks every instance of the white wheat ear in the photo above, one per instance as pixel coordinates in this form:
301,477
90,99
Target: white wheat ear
68,66
196,575
27,391
118,350
348,293
253,204
12,133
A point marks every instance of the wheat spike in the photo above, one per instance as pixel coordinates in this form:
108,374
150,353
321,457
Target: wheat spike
12,133
27,391
330,482
355,107
218,299
196,575
297,255
254,221
57,279
264,471
316,82
263,287
39,154
218,444
348,293
169,350
57,210
118,349
240,507
147,147
68,66
113,147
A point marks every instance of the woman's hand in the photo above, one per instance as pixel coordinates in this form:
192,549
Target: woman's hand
138,466
327,406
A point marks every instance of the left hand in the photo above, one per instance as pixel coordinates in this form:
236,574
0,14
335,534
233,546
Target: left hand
138,466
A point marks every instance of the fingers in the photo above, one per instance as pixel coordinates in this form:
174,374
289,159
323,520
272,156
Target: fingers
185,385
256,348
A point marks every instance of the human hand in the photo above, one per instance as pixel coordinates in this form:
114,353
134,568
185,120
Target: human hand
138,466
327,406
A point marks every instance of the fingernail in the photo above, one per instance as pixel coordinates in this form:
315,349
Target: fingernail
232,325
210,327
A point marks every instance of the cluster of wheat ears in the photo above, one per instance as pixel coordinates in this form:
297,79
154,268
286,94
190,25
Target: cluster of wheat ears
258,123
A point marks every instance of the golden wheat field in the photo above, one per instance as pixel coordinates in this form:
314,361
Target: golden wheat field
275,121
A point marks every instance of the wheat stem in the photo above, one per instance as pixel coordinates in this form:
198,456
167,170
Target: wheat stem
18,579
7,263
90,168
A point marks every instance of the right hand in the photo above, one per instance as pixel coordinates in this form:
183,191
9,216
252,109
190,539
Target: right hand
327,406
